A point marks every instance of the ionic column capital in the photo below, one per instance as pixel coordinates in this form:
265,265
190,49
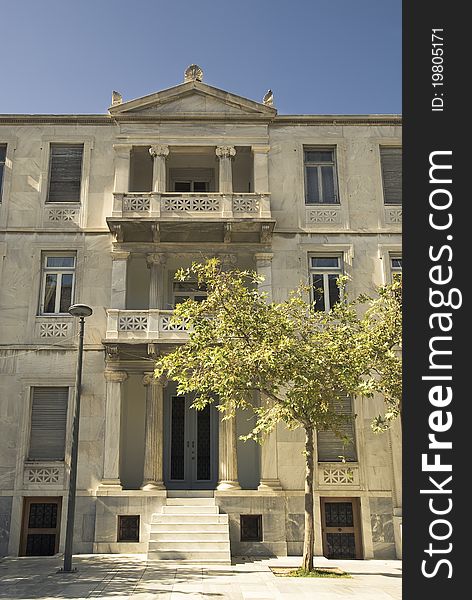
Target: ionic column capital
264,257
149,379
116,376
156,258
260,149
225,151
159,150
120,255
227,260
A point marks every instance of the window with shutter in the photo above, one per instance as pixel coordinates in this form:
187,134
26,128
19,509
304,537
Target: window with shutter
65,172
48,423
391,161
3,154
332,448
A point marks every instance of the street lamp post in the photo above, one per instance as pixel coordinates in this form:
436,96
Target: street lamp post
81,311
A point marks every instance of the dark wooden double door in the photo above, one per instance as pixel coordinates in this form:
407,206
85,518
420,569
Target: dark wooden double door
191,445
40,526
341,528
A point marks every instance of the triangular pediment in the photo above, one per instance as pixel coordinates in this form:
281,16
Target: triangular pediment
192,99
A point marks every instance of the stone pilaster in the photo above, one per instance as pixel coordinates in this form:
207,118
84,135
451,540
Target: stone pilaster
269,462
154,448
264,268
111,451
159,153
228,261
226,154
118,279
156,264
122,167
261,168
228,458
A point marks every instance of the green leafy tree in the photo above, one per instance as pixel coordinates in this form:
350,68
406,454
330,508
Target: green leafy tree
285,361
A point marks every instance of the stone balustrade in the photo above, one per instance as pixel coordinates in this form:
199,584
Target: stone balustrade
146,325
138,205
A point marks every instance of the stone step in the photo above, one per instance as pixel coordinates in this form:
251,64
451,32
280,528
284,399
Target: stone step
191,502
172,519
195,546
192,561
189,528
190,510
206,557
190,494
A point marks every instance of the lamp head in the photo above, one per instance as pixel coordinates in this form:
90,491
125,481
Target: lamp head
80,310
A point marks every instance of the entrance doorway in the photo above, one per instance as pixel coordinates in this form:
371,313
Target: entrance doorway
341,528
40,527
191,445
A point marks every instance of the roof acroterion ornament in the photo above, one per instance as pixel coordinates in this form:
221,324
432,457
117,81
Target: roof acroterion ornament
193,73
116,98
268,99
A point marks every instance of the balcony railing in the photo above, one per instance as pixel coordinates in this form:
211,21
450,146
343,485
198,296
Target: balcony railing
138,205
145,325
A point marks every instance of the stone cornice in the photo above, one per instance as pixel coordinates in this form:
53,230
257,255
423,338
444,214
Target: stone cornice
18,119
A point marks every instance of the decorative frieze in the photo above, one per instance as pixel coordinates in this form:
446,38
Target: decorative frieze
393,216
136,203
43,475
63,216
191,204
54,330
324,215
166,324
245,204
341,474
133,323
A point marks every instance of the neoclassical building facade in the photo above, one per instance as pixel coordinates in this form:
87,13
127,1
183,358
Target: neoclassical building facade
102,210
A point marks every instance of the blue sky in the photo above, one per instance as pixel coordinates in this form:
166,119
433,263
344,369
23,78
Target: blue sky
318,57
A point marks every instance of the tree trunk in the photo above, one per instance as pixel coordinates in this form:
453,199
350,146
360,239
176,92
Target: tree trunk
309,539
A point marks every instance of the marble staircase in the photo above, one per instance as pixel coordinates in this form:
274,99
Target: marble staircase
190,530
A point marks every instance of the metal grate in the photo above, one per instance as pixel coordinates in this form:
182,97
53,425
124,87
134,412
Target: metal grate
128,528
203,444
251,528
177,464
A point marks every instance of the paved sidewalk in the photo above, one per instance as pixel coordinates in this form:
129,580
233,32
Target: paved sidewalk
117,577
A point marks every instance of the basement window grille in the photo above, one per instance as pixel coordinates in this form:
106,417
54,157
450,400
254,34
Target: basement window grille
128,528
251,528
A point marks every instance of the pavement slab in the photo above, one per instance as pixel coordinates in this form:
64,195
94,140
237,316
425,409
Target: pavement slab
133,577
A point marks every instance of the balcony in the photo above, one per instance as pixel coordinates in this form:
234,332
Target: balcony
181,217
143,326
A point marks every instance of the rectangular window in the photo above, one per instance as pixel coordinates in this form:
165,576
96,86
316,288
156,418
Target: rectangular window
3,155
396,266
48,423
391,161
324,272
251,528
185,290
58,279
191,186
128,528
320,176
65,172
332,448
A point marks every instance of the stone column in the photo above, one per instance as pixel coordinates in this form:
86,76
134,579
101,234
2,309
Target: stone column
118,279
111,452
227,457
156,264
159,153
122,167
269,466
264,268
225,154
154,447
261,169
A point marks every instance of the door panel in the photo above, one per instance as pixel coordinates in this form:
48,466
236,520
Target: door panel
340,526
191,445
